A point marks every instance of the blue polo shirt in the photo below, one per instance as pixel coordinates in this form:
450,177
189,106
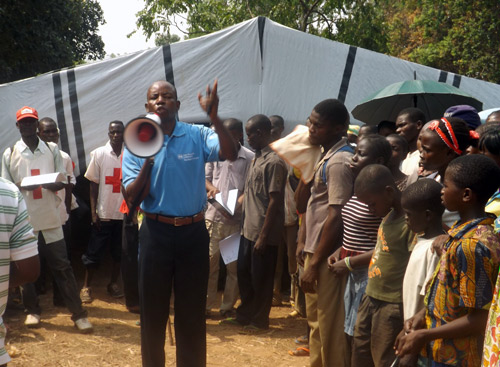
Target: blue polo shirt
178,174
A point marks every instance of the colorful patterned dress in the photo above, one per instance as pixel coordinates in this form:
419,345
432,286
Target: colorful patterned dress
491,351
463,281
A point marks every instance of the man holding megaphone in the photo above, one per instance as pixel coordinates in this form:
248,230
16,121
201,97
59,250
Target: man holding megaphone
173,237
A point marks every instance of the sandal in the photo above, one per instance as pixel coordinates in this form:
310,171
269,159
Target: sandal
302,340
230,321
252,330
299,352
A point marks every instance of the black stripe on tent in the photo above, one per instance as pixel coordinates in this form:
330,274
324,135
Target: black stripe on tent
261,23
443,75
456,81
351,56
61,120
77,126
167,63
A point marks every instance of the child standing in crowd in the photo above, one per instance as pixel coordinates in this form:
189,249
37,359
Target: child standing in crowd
380,314
399,152
448,331
360,232
423,209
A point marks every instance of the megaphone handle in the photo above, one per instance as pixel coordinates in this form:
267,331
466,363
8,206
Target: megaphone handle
139,188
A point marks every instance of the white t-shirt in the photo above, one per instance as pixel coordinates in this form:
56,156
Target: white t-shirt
42,203
410,164
105,170
419,271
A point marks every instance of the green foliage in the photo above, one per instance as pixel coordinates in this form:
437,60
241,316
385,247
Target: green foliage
166,39
207,16
39,36
461,36
362,25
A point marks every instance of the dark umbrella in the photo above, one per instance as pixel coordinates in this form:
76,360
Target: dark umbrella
431,97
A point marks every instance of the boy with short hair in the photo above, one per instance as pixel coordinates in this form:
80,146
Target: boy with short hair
380,314
423,208
459,295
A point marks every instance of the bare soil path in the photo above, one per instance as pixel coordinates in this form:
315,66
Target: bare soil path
116,339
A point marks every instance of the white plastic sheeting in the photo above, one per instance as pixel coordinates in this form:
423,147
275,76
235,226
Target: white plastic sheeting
262,67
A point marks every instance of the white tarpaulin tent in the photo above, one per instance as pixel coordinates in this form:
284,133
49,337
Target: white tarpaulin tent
262,67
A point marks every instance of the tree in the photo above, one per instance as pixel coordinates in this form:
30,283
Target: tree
39,36
207,16
166,39
460,36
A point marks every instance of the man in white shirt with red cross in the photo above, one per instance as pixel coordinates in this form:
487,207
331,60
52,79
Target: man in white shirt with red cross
104,172
31,156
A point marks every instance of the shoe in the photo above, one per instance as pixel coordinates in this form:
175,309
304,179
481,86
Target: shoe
86,295
115,291
134,309
276,301
84,325
32,320
252,330
293,314
227,313
230,321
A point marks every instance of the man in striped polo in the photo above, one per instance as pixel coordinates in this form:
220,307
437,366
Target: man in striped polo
18,250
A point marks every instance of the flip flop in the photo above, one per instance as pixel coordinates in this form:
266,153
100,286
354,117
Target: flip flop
230,321
299,352
252,330
302,340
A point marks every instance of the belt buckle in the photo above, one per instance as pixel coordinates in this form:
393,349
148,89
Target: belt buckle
175,221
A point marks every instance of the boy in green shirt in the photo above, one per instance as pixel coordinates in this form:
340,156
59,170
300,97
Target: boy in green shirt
380,314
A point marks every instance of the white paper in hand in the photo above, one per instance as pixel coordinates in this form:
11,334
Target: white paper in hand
229,247
43,179
227,206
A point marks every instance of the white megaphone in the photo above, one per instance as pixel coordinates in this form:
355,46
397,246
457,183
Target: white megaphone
143,135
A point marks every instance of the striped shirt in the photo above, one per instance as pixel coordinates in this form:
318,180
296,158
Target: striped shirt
360,227
17,242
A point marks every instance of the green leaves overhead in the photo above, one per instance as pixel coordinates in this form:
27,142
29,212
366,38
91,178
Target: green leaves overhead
460,36
39,36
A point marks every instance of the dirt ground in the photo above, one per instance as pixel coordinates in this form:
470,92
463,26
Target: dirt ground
116,338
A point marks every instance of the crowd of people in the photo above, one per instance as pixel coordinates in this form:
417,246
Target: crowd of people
387,234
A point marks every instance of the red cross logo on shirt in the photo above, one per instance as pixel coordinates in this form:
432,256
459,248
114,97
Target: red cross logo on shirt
37,193
114,180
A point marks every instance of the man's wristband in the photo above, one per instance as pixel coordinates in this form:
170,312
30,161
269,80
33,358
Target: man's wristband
348,263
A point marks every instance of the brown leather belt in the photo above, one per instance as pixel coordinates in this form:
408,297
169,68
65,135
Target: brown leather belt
177,221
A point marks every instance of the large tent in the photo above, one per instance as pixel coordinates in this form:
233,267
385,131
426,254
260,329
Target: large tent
262,67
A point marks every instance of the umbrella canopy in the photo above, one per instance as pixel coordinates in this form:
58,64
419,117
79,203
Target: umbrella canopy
431,97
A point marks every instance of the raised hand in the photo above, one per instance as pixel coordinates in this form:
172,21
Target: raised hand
210,102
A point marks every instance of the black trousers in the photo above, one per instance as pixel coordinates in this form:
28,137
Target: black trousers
256,281
173,257
130,262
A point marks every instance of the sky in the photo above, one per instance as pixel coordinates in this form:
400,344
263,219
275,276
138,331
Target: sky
120,21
